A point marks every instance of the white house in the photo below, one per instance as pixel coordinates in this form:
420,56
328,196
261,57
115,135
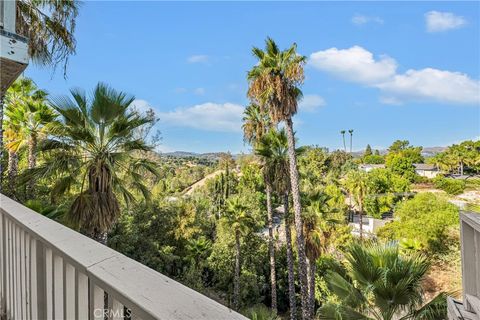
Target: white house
426,170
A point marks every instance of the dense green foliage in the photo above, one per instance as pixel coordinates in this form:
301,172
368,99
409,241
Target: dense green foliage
459,158
262,233
427,218
450,186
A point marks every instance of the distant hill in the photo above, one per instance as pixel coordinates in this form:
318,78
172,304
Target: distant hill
212,156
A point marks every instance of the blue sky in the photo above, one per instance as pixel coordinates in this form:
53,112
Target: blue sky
388,70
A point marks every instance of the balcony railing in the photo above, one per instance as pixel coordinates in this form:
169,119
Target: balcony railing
48,271
470,237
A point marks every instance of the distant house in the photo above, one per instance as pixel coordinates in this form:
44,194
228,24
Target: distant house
422,169
426,170
370,167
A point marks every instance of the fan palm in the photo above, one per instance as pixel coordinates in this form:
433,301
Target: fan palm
197,249
320,222
272,148
381,284
351,138
28,120
93,152
255,123
240,221
274,83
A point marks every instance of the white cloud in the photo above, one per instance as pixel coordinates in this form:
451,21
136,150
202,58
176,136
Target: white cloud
354,64
442,21
141,105
311,102
197,59
199,91
226,117
360,19
358,65
433,84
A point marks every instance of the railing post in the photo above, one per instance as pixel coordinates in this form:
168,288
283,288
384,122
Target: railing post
40,281
3,280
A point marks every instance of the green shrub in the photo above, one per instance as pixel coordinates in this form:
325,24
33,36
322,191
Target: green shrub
450,186
426,220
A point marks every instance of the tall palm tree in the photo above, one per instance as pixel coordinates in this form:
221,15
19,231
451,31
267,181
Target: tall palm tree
240,221
319,224
342,132
351,138
93,152
356,185
28,120
273,150
382,284
274,83
256,123
49,25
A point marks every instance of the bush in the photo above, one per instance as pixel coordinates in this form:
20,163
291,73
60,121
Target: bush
450,186
425,220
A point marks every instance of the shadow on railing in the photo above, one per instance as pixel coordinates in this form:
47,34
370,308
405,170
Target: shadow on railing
48,271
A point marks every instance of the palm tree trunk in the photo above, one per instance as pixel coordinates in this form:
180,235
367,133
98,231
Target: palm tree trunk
236,280
12,170
360,213
344,145
271,248
302,259
32,162
351,138
311,285
291,274
2,96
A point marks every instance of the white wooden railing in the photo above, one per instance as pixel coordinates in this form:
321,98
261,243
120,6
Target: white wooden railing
470,238
48,271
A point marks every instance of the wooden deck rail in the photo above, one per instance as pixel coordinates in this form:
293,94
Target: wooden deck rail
469,308
48,271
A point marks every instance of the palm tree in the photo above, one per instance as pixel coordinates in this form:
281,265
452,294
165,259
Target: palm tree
356,185
319,225
197,249
351,138
240,221
382,284
28,120
92,152
256,123
274,83
273,150
49,25
342,132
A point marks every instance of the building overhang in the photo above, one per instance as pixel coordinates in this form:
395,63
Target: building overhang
13,58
